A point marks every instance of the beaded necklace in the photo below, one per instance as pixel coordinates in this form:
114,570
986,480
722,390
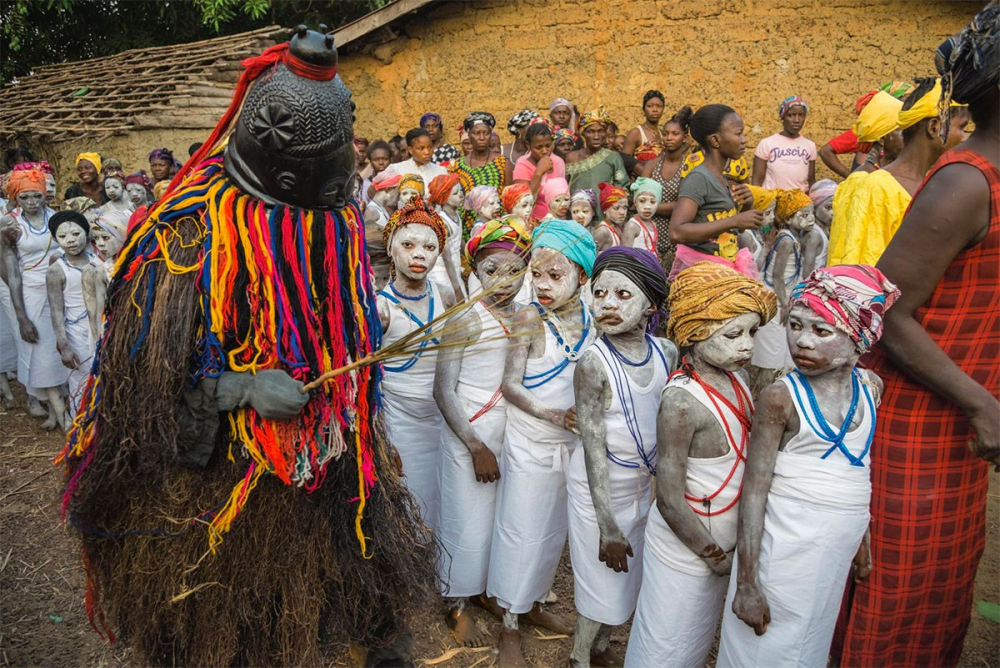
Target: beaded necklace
495,399
570,353
31,228
822,427
419,323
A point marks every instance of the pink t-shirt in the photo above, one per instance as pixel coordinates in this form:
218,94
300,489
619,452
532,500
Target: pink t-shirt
787,161
524,169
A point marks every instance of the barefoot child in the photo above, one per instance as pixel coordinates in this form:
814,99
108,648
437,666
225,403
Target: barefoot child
583,207
556,193
64,285
617,386
614,206
549,336
414,236
702,433
639,231
467,390
804,517
108,232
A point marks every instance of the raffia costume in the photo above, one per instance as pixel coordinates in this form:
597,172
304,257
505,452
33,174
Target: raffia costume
218,538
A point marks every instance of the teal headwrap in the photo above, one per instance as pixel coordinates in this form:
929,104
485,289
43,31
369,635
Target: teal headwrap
646,185
569,238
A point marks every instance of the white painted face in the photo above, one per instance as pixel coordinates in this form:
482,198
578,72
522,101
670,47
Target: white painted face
731,346
555,277
405,195
136,193
414,249
523,207
582,213
50,187
824,214
456,196
114,188
619,305
107,244
816,345
559,206
803,219
617,212
645,205
769,214
492,209
501,272
71,238
31,201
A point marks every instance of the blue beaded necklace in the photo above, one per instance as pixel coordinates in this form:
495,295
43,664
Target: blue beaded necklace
570,353
419,323
822,427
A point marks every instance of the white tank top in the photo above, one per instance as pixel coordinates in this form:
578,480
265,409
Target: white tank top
817,438
793,268
453,245
76,309
411,376
34,249
550,379
481,375
646,239
630,422
712,485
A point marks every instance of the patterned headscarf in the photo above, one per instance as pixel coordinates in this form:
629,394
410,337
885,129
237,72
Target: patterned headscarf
512,194
43,167
418,212
114,223
789,102
520,121
386,179
92,158
642,268
706,295
26,180
569,238
851,297
597,116
115,174
414,181
969,62
441,187
559,133
508,233
789,202
610,194
141,178
646,185
898,89
444,154
477,198
585,195
476,117
822,190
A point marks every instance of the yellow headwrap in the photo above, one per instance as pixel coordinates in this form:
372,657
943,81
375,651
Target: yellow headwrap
878,119
762,198
927,106
92,158
412,181
790,201
704,296
593,117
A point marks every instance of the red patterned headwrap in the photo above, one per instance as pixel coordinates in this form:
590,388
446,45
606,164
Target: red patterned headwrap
610,194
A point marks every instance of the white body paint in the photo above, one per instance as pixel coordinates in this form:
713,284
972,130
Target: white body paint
523,207
582,213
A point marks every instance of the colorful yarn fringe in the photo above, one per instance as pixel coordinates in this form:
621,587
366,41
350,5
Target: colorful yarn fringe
284,288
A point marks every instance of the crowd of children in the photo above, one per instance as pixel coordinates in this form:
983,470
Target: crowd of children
578,311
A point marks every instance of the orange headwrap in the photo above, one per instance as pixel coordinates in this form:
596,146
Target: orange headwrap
25,181
512,194
440,188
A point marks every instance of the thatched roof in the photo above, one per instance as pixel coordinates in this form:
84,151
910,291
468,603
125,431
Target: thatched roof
186,86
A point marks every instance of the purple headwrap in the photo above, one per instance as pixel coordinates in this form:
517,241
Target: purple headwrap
822,190
166,155
428,116
586,195
642,268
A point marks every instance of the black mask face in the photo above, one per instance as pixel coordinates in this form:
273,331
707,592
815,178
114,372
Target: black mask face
292,143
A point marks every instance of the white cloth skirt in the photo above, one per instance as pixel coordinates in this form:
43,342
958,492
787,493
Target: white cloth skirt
9,332
80,341
601,594
770,347
414,427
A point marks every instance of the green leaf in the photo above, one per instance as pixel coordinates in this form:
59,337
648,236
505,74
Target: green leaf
80,93
990,611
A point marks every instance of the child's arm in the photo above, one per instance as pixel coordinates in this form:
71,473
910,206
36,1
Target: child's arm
781,255
525,325
590,384
462,332
603,239
92,299
678,421
12,276
55,283
812,241
630,232
774,410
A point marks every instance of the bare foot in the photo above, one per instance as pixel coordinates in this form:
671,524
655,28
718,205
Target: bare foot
463,628
606,659
547,620
488,604
510,650
50,424
36,409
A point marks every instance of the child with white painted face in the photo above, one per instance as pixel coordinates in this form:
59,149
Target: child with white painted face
805,511
137,189
467,387
555,192
114,187
614,206
617,384
385,189
410,186
108,232
485,201
639,231
414,236
70,321
583,207
702,427
549,336
518,201
445,192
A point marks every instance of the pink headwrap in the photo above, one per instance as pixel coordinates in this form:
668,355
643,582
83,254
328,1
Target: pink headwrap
477,198
851,297
386,179
553,188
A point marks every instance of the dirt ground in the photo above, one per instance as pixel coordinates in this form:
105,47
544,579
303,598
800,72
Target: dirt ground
43,622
